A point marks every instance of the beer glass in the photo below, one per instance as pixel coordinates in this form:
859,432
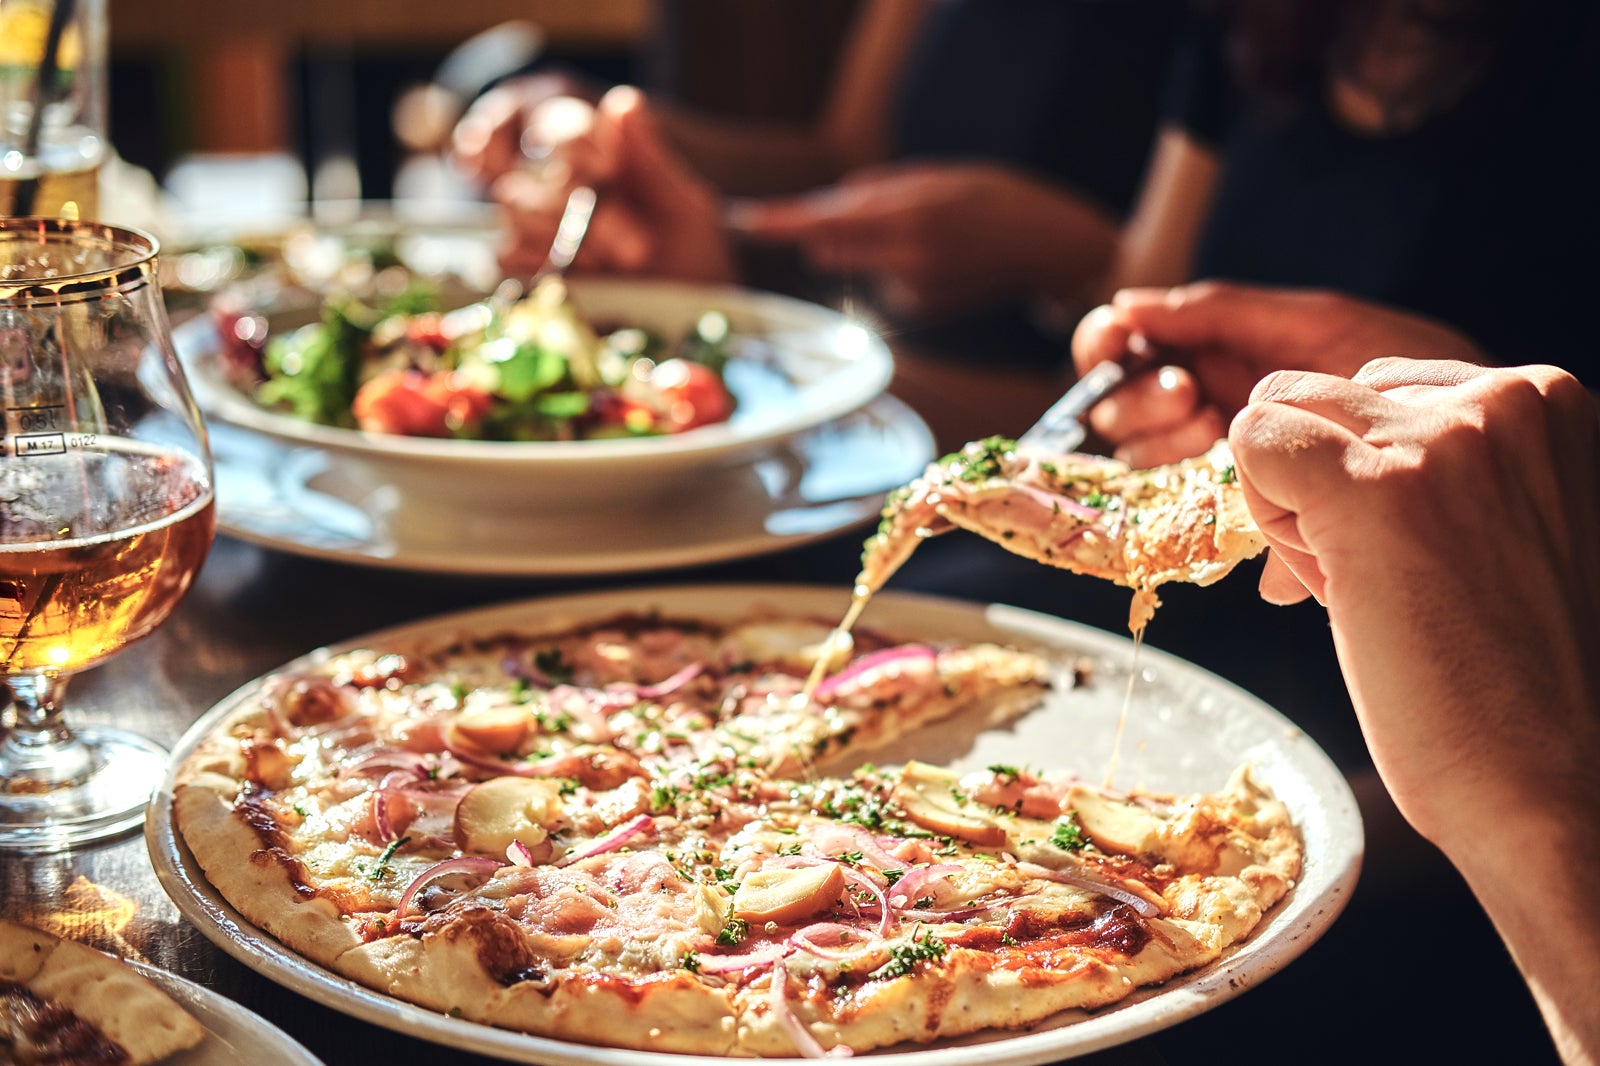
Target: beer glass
105,513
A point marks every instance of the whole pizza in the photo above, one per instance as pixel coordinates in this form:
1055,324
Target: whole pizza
660,832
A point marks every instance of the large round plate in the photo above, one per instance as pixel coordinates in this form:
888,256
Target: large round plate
797,365
821,483
1186,730
233,1034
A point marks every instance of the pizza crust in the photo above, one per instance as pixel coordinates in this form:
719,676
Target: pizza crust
259,883
124,1006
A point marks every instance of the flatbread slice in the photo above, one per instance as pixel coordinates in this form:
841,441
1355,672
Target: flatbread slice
63,1002
1086,513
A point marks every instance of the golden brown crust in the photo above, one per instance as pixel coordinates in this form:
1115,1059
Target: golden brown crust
123,1006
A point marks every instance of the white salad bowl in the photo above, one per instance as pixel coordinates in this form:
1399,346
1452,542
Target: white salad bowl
796,366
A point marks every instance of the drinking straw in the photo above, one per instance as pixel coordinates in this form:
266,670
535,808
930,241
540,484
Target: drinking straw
44,90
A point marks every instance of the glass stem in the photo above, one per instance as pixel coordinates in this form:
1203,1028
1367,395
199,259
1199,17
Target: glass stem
40,753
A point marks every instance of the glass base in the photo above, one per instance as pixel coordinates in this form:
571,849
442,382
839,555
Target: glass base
109,799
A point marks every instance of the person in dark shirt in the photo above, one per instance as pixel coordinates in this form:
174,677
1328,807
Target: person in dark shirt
1429,154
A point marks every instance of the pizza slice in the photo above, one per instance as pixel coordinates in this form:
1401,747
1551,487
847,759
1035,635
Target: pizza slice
1089,514
64,1003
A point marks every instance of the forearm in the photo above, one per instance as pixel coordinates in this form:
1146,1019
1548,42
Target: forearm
744,158
1071,247
1536,880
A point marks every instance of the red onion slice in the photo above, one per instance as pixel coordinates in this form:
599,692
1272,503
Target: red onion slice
804,1042
389,759
856,877
611,841
669,685
482,760
745,961
908,888
872,661
519,854
1091,883
806,940
466,864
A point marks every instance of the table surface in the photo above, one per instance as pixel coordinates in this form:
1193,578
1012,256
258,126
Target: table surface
1411,948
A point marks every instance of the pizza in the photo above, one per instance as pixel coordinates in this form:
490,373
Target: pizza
662,833
1085,513
62,1003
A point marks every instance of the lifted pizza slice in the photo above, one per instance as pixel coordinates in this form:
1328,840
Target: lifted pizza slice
1085,513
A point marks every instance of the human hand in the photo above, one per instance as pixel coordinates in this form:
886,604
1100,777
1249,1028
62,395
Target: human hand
1448,517
936,240
1217,339
655,216
492,136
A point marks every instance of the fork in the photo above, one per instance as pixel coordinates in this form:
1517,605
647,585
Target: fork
1061,428
570,232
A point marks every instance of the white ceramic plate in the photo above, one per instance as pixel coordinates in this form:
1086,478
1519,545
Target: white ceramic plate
1187,730
824,481
233,1035
796,366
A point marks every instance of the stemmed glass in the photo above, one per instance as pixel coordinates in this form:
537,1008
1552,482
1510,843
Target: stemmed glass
105,513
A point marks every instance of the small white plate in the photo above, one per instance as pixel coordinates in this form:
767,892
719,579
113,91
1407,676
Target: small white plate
823,482
234,1035
1186,730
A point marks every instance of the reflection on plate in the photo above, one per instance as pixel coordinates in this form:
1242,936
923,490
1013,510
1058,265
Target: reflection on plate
823,482
1187,730
233,1034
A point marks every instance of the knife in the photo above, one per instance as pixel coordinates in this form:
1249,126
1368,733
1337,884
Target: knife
1061,428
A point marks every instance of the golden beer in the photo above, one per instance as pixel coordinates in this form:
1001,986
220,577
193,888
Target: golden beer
68,602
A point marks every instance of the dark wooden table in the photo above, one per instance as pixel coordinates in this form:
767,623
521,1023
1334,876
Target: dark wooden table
1410,959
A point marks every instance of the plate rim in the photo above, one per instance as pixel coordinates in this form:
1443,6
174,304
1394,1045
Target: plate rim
291,1052
1179,999
515,561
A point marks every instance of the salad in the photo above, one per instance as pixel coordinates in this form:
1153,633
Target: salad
529,370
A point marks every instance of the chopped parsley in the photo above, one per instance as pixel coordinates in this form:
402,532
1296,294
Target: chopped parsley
552,664
735,930
1227,475
893,875
663,797
690,962
553,723
789,849
382,865
903,958
1004,772
1068,835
